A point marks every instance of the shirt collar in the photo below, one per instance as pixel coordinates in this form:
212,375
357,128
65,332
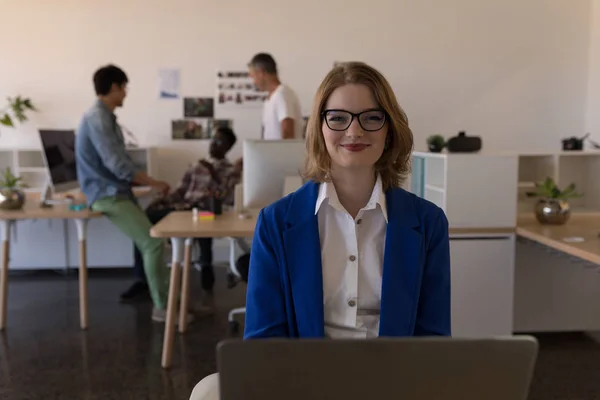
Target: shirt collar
100,104
327,192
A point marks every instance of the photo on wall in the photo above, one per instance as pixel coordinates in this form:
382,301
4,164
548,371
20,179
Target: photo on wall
190,129
198,107
213,124
236,89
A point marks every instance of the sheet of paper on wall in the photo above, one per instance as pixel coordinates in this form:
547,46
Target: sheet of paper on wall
236,89
169,82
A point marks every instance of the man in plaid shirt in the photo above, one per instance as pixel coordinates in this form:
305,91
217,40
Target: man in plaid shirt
215,176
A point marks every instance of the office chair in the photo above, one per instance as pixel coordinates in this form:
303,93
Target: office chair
238,270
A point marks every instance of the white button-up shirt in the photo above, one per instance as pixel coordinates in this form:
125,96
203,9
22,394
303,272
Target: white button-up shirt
352,258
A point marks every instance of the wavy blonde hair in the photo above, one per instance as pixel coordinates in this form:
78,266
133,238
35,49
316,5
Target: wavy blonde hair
394,163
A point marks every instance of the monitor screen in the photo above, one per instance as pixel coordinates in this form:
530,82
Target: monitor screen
59,153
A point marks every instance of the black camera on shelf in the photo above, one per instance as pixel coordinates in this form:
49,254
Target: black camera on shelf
574,143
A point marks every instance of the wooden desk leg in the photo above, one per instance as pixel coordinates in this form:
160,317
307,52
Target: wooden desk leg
185,286
5,227
83,272
167,354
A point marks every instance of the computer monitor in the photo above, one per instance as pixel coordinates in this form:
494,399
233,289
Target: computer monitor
268,164
59,158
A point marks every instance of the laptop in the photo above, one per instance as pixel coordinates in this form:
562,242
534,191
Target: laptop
406,369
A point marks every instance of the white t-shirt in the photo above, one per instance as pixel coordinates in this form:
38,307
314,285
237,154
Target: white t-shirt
282,104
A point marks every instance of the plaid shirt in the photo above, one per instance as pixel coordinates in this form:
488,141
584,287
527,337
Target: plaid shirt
197,186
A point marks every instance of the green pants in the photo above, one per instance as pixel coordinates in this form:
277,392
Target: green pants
132,221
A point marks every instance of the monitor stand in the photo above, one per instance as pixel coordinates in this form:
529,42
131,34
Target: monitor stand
46,200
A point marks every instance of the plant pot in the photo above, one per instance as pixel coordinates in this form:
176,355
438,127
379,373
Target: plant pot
435,148
11,199
552,211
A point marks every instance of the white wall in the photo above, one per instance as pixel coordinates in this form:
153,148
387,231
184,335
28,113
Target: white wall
512,71
593,94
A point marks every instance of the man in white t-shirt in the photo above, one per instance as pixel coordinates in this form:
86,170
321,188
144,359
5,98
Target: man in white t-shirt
282,117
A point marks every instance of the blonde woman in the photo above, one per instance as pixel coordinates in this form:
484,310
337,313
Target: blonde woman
350,254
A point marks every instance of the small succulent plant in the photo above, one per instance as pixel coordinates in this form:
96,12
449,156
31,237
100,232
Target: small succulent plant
548,189
11,182
436,142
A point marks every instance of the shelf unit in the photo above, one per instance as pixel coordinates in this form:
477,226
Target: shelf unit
474,190
578,167
29,164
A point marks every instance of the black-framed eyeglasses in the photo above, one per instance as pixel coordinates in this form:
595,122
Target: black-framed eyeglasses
340,120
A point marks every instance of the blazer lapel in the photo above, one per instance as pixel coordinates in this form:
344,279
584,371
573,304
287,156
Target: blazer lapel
401,266
303,257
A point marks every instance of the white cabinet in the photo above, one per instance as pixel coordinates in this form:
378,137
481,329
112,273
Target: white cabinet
107,247
554,292
39,244
474,190
482,285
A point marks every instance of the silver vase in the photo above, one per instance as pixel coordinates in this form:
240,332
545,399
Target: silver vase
11,199
552,211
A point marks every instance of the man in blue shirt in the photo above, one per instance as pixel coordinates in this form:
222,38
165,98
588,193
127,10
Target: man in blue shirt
106,174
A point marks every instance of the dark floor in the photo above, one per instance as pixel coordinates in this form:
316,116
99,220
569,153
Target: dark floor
44,354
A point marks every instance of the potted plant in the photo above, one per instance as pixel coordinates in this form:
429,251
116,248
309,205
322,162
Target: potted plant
553,205
17,108
436,143
12,196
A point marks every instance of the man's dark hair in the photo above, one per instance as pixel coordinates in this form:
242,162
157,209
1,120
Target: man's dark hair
228,134
264,61
106,76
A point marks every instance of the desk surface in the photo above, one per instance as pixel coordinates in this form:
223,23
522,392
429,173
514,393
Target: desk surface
579,226
32,209
181,224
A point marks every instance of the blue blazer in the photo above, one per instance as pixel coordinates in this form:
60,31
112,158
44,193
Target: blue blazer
285,282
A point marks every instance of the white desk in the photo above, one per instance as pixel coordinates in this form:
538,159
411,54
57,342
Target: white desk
32,211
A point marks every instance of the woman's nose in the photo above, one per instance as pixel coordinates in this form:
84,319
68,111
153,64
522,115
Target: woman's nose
355,130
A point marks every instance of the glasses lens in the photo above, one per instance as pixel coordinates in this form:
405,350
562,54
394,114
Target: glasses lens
338,120
372,120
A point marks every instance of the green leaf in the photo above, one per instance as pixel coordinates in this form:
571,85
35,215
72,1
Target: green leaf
6,120
29,105
11,181
548,189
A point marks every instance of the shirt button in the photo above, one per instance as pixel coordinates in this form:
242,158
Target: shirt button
358,222
352,258
352,303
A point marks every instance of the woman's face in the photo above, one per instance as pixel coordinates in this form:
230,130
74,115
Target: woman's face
352,143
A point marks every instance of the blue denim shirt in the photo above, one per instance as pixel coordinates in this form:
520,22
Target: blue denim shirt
104,168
